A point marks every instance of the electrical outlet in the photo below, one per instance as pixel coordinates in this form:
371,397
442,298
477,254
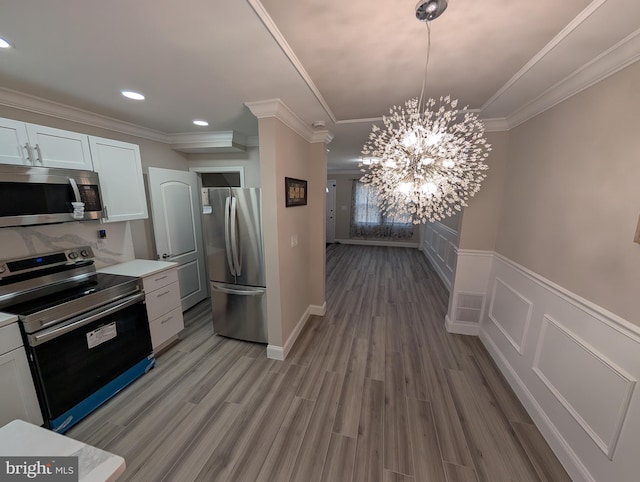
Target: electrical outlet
294,240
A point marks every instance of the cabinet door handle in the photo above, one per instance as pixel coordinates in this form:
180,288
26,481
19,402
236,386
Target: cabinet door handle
39,153
27,150
162,294
161,278
166,319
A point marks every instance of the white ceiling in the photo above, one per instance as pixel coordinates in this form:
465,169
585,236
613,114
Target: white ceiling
343,62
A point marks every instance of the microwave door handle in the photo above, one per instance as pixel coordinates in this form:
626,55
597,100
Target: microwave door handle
227,236
76,191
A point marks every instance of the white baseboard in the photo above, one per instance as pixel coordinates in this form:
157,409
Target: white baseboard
574,366
551,434
318,310
276,352
461,327
370,242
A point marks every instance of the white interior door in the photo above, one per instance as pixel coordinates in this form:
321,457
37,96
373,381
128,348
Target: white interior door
175,201
331,211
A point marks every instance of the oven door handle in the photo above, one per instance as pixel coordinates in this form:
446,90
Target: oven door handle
85,319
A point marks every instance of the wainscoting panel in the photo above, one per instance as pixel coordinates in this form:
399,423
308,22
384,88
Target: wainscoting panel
471,281
439,246
568,366
574,366
511,313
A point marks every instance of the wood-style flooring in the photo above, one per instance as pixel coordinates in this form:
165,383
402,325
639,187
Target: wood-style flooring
376,390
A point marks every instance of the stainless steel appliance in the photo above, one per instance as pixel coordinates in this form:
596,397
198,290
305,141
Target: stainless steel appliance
40,195
86,333
233,233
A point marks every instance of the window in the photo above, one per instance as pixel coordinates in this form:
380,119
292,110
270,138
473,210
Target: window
368,221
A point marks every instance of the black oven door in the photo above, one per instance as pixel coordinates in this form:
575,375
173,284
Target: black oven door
81,363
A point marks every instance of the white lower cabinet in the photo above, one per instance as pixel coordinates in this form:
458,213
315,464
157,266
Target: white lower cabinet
18,395
162,294
162,297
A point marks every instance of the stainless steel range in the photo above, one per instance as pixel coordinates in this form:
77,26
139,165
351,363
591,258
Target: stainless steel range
86,333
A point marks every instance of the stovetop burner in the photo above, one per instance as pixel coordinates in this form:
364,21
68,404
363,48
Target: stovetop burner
46,289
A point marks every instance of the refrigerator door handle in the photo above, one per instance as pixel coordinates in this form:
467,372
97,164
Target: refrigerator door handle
234,236
233,290
227,237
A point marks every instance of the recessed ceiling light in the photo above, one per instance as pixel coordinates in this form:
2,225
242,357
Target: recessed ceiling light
129,94
4,44
202,123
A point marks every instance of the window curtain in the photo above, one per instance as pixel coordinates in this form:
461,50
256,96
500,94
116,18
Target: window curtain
367,220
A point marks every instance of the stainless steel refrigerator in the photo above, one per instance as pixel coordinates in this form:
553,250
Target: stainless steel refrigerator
235,260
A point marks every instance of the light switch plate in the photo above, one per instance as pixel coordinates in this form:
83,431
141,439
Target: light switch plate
637,238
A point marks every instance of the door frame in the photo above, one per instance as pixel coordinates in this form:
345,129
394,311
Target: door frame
199,170
331,195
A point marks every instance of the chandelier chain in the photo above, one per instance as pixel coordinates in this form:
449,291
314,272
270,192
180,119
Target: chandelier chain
426,66
427,158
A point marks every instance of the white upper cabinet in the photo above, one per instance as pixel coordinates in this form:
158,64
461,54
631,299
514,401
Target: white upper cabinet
33,145
119,167
57,148
14,144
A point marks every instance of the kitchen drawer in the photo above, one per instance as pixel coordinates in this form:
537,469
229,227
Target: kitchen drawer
163,300
158,280
166,326
10,338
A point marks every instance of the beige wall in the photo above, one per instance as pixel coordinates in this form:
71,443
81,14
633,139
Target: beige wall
295,275
317,236
249,161
152,153
481,218
572,194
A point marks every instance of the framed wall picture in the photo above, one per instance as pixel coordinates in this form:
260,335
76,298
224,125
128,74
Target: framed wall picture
295,192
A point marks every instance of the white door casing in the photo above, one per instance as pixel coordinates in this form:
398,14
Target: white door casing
175,209
331,211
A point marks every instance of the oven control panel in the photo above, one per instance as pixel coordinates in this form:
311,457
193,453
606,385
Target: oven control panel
40,261
78,254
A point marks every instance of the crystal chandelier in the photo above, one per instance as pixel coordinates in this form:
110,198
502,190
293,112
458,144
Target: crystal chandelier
428,158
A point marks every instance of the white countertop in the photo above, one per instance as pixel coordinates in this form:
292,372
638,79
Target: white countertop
7,319
138,267
20,438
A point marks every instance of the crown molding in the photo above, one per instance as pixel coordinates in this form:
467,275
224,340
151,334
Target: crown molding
321,136
278,109
554,43
621,55
218,141
288,51
495,125
38,105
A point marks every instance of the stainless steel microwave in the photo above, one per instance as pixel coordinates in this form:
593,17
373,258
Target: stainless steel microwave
40,195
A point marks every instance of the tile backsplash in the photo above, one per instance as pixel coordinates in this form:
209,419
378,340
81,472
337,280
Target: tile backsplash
117,247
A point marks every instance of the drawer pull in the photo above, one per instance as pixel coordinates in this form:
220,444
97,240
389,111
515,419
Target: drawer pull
166,319
162,294
161,278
